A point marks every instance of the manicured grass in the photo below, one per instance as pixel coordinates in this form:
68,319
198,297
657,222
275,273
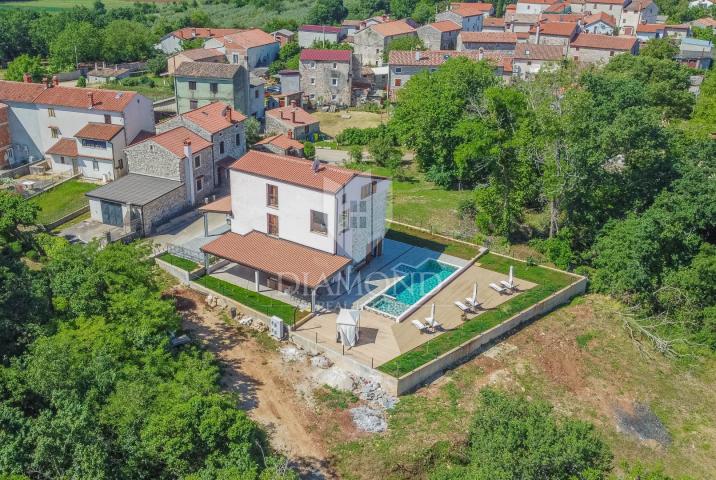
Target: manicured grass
62,200
179,262
548,282
262,303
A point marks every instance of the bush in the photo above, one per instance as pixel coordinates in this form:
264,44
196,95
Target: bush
356,153
363,136
309,150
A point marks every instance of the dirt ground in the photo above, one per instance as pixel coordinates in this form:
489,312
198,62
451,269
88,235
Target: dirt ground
334,123
268,388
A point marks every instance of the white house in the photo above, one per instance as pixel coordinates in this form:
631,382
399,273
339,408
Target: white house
530,59
615,8
636,13
701,3
172,42
253,48
599,23
468,15
299,222
532,6
321,34
82,129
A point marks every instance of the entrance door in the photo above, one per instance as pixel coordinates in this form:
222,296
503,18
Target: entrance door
112,214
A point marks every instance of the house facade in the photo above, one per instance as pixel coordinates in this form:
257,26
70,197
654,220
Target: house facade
326,76
371,42
197,84
529,59
489,41
636,13
96,152
209,55
251,48
599,23
282,144
468,15
292,120
441,35
172,42
589,48
308,35
532,7
553,33
615,8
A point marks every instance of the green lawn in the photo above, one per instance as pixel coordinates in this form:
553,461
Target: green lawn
162,87
548,281
60,5
432,242
179,262
262,303
62,200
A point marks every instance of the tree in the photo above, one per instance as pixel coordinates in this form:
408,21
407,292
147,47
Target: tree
78,42
198,18
382,150
402,8
661,48
403,43
126,41
327,12
424,12
25,64
309,149
253,128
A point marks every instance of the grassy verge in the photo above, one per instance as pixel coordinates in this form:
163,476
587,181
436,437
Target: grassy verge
62,200
179,262
548,282
426,240
262,303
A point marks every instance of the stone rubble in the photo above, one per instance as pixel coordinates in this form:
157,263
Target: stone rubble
369,419
319,361
291,353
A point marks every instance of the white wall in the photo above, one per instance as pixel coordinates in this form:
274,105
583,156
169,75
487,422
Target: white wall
105,168
138,116
306,39
531,8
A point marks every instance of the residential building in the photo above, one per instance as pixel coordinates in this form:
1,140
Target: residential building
441,35
208,55
197,84
695,53
649,31
493,24
371,42
283,36
290,81
678,31
488,41
222,126
251,48
172,42
281,144
468,15
326,76
294,119
636,13
40,116
599,23
274,100
349,27
529,59
589,48
701,3
553,33
5,141
520,22
706,22
257,97
615,8
532,7
110,73
300,223
310,35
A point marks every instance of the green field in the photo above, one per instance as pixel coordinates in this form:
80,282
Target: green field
179,262
59,5
62,200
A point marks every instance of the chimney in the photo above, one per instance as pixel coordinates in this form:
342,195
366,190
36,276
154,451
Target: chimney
55,81
316,165
417,55
227,112
208,31
104,65
95,65
293,115
289,134
538,29
26,78
481,53
45,82
189,177
90,99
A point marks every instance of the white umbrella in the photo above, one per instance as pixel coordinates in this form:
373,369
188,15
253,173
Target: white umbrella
348,326
474,293
509,280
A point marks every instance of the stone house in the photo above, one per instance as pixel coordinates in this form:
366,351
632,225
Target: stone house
468,15
326,76
695,53
172,42
308,35
210,55
5,142
649,31
440,35
493,24
296,120
532,7
615,8
529,59
251,48
599,23
520,22
553,33
590,48
197,84
488,41
281,144
283,36
636,13
371,42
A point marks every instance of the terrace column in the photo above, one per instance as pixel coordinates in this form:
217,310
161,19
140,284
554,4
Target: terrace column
313,300
206,263
206,224
256,279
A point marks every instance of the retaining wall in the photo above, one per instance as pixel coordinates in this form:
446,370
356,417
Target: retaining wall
67,218
179,273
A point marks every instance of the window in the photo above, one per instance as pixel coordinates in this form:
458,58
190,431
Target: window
334,82
62,160
354,206
334,97
50,112
272,224
238,139
199,183
235,58
193,104
221,147
313,96
197,161
272,195
192,85
398,82
363,222
398,69
256,93
214,87
367,190
120,163
354,222
108,119
343,221
363,206
86,142
335,65
54,132
312,65
95,165
319,222
313,81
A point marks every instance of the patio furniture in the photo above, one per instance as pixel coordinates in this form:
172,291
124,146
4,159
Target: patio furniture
348,326
510,282
472,301
462,306
419,325
498,288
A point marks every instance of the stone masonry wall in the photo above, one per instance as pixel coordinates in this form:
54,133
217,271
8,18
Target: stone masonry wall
158,211
318,82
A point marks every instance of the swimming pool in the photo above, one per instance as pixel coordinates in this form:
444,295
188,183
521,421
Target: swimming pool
414,285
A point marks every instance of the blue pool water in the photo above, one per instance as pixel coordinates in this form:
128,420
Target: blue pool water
416,283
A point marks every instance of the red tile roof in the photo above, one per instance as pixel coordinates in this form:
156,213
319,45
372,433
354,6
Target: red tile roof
319,28
528,51
297,263
638,5
99,131
222,205
284,114
326,55
650,27
214,117
561,17
281,141
678,26
294,170
445,26
389,29
470,9
493,22
19,91
201,53
435,58
555,29
73,97
246,39
189,33
600,17
705,22
533,2
603,2
67,147
173,140
604,42
488,37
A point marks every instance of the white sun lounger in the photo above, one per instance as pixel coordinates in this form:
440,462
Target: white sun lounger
507,284
432,323
472,302
498,288
419,325
462,306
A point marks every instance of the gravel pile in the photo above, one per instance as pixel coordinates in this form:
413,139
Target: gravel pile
291,353
336,378
372,392
369,419
319,361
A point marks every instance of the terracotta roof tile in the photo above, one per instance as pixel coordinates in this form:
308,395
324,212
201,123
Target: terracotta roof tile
19,91
248,39
326,55
297,263
190,33
214,117
284,114
445,26
488,37
222,205
705,22
603,2
650,27
207,70
555,29
74,97
600,17
389,29
297,171
527,51
561,17
99,131
201,53
493,22
435,58
470,9
319,28
536,2
141,136
638,5
281,141
66,147
173,140
604,42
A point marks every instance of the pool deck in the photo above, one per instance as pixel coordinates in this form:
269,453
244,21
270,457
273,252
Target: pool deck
382,339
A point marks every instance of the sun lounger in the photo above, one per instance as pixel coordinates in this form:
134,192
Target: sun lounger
462,306
472,302
433,323
419,325
498,288
507,284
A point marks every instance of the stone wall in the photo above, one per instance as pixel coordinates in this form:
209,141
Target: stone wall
149,158
434,39
318,80
164,207
300,132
